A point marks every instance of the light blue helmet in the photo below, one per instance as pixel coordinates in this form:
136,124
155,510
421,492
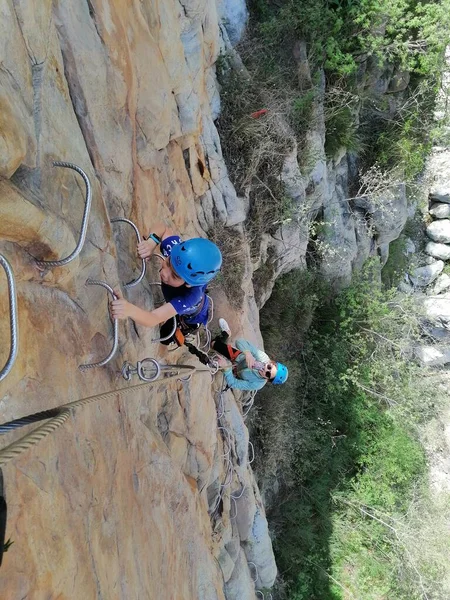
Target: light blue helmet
282,374
197,261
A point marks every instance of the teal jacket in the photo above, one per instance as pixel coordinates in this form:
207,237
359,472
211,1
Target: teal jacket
246,379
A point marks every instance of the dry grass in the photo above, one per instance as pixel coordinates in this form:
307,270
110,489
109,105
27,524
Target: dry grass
231,277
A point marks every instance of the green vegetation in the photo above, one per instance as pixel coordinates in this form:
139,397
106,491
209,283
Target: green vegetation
370,68
344,33
343,440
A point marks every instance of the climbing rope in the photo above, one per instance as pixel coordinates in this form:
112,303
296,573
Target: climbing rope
248,404
234,498
106,360
13,323
84,222
133,282
64,411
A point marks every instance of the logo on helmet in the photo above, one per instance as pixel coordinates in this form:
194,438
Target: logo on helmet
178,260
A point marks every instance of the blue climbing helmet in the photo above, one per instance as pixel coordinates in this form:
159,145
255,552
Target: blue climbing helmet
282,374
197,261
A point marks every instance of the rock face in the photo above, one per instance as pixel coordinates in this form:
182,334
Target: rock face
348,230
114,504
235,16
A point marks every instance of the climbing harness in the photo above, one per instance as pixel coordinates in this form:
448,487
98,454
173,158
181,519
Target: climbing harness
115,328
133,282
84,222
13,323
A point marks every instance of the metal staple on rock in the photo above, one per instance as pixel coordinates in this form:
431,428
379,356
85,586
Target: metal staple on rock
84,222
32,438
256,570
166,370
174,328
235,508
13,323
133,282
115,327
253,452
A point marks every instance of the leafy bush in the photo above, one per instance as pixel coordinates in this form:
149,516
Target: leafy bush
347,426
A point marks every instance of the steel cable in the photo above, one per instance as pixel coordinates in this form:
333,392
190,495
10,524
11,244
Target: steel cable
13,322
84,222
17,423
32,438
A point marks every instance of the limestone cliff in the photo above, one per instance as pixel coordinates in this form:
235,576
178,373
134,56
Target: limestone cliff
117,503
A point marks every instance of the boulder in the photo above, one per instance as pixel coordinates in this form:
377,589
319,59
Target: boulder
440,210
437,250
433,356
439,231
437,308
423,276
442,283
439,166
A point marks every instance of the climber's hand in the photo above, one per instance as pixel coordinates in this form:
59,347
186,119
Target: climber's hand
120,308
223,362
249,359
145,248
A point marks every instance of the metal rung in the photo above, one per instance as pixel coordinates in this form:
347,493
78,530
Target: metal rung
133,282
13,323
84,222
115,327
